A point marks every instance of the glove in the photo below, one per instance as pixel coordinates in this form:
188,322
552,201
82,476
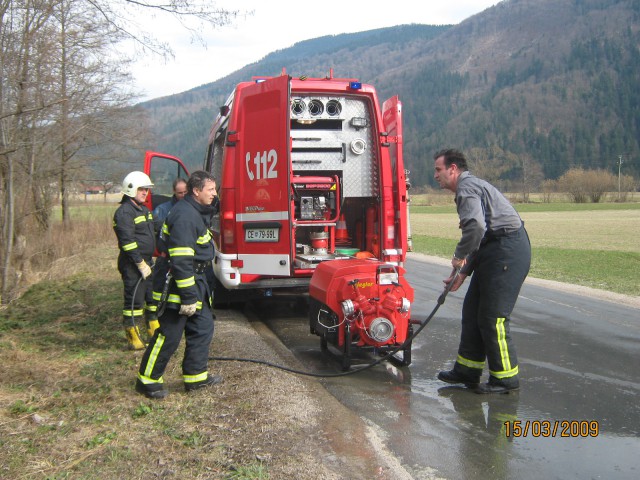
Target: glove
145,270
188,310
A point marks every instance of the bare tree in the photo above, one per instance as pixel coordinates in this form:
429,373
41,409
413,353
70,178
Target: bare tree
64,100
194,16
582,185
89,84
532,175
21,24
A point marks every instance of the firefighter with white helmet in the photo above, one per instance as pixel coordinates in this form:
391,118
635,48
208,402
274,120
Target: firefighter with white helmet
133,225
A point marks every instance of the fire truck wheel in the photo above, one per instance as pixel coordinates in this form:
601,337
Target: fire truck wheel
221,296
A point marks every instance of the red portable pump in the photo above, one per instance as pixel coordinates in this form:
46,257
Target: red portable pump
362,303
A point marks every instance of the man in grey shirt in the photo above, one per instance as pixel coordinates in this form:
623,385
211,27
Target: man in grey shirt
494,246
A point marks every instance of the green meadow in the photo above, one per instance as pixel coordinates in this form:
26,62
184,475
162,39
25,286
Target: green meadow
593,245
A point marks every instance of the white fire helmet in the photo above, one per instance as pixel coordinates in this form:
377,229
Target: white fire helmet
133,181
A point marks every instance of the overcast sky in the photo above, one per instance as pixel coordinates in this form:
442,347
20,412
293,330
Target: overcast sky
274,25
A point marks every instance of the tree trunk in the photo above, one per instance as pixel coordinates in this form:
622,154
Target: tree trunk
9,218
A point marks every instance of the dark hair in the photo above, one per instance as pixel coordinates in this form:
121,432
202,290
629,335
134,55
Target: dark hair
198,180
453,156
177,181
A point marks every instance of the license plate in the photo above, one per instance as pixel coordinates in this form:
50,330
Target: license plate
261,235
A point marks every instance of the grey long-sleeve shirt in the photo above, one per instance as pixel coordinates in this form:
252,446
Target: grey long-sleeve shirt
482,210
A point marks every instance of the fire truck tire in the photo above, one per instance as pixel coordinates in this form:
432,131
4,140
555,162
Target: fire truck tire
221,296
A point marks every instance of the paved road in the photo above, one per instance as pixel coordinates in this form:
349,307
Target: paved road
579,362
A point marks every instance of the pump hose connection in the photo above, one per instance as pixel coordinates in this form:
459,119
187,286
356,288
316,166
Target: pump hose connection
390,353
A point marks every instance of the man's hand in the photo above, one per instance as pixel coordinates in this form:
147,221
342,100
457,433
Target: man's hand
458,262
188,310
145,270
457,280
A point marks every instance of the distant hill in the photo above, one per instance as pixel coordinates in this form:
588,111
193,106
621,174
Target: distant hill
549,84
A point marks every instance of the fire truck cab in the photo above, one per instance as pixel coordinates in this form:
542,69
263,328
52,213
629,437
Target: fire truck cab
308,170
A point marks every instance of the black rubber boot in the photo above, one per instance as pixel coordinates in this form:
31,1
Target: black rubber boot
211,380
495,385
451,376
155,391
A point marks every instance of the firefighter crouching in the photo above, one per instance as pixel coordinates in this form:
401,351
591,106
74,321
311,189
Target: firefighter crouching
133,224
186,303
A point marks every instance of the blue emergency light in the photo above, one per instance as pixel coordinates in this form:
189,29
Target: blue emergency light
355,85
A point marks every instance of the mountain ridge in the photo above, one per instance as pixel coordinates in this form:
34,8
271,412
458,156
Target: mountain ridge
547,83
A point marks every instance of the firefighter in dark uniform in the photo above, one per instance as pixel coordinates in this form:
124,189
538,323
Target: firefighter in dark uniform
188,305
161,266
495,247
133,224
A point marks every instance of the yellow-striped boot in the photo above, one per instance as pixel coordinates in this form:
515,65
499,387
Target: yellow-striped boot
134,338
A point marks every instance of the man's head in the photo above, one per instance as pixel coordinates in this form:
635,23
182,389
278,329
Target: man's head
179,188
449,165
202,187
136,185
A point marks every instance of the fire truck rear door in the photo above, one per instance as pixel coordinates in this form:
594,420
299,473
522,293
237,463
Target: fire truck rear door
263,175
392,118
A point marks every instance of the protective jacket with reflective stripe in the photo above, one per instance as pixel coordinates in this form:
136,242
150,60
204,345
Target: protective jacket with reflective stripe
133,225
188,241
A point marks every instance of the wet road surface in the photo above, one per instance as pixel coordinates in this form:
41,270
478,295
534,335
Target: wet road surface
577,412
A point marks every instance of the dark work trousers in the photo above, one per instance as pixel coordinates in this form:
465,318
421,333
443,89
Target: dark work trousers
198,333
500,268
134,306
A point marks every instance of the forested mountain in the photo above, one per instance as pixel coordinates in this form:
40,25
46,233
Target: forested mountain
541,85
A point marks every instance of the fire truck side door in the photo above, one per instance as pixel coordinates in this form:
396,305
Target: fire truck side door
263,165
392,118
162,169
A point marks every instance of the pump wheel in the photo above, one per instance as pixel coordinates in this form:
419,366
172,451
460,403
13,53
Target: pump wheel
314,311
346,352
406,351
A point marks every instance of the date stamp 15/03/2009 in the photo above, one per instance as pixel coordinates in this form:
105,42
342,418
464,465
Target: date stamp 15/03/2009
552,428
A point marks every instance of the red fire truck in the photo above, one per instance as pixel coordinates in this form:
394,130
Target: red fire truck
313,197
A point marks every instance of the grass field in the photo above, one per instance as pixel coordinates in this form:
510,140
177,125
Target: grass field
594,245
69,410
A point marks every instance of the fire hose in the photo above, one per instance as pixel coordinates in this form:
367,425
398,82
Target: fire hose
392,352
133,301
